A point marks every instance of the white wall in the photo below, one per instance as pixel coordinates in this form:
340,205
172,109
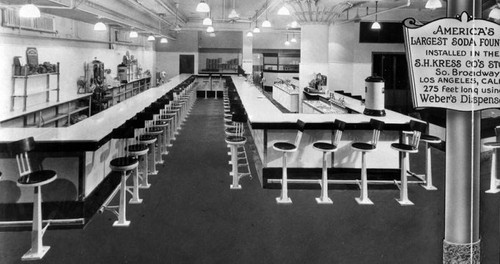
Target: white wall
350,62
71,54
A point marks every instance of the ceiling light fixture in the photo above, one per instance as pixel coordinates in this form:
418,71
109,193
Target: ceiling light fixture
207,21
202,7
283,11
210,29
256,29
99,26
266,23
287,43
233,14
133,34
294,24
212,34
249,34
164,40
494,13
433,4
151,38
293,40
376,24
29,11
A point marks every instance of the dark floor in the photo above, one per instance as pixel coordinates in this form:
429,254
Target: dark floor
191,216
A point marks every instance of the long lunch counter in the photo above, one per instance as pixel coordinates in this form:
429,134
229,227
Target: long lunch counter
80,154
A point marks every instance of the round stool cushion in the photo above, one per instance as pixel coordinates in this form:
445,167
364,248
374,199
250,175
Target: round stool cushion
138,149
154,131
284,146
361,146
430,139
404,147
236,140
124,163
161,123
323,146
37,178
147,139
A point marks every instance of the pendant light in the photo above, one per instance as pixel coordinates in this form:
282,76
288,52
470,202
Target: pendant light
163,40
29,11
99,26
266,23
210,29
376,24
294,24
256,29
249,34
133,34
233,14
202,7
287,43
177,28
207,21
293,40
494,13
433,4
212,34
151,38
283,11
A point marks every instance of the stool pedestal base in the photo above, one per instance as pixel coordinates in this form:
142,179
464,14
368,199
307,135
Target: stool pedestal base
319,200
365,201
285,200
35,254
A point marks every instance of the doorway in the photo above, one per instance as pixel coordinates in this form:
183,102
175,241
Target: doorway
186,64
393,68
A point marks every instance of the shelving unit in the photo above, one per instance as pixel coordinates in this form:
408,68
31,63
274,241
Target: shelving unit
26,92
49,114
125,91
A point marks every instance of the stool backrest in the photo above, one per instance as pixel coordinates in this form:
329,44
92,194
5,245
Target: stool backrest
20,149
338,128
300,126
377,126
418,128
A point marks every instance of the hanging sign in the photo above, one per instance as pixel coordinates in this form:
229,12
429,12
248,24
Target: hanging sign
454,63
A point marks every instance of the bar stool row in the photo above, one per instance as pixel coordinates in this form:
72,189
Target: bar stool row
234,120
415,134
142,140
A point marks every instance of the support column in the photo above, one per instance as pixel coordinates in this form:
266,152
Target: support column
461,238
313,53
247,58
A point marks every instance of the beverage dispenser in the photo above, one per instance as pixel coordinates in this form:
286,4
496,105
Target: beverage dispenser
374,96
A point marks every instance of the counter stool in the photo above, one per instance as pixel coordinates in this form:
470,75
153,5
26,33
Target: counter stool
175,107
428,139
363,147
237,140
152,130
123,165
404,148
338,127
286,147
158,121
149,140
494,181
32,179
140,152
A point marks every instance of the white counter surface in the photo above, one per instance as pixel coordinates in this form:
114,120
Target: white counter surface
260,110
98,126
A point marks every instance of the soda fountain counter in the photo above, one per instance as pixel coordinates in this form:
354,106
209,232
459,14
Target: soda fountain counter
80,155
269,125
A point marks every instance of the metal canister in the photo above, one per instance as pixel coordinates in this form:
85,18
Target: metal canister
374,96
122,73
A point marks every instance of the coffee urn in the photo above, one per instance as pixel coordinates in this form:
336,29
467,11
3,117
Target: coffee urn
374,96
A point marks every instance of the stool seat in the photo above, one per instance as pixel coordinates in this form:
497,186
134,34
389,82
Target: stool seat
138,149
323,146
169,116
404,147
154,131
284,146
429,139
124,163
363,146
493,145
160,123
37,178
236,140
147,139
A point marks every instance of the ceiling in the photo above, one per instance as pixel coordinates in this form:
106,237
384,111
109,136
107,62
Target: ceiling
161,16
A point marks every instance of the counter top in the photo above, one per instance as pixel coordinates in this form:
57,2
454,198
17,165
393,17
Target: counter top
263,114
89,133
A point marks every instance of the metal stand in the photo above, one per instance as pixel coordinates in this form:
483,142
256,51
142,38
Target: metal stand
284,199
37,250
324,199
403,187
363,198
